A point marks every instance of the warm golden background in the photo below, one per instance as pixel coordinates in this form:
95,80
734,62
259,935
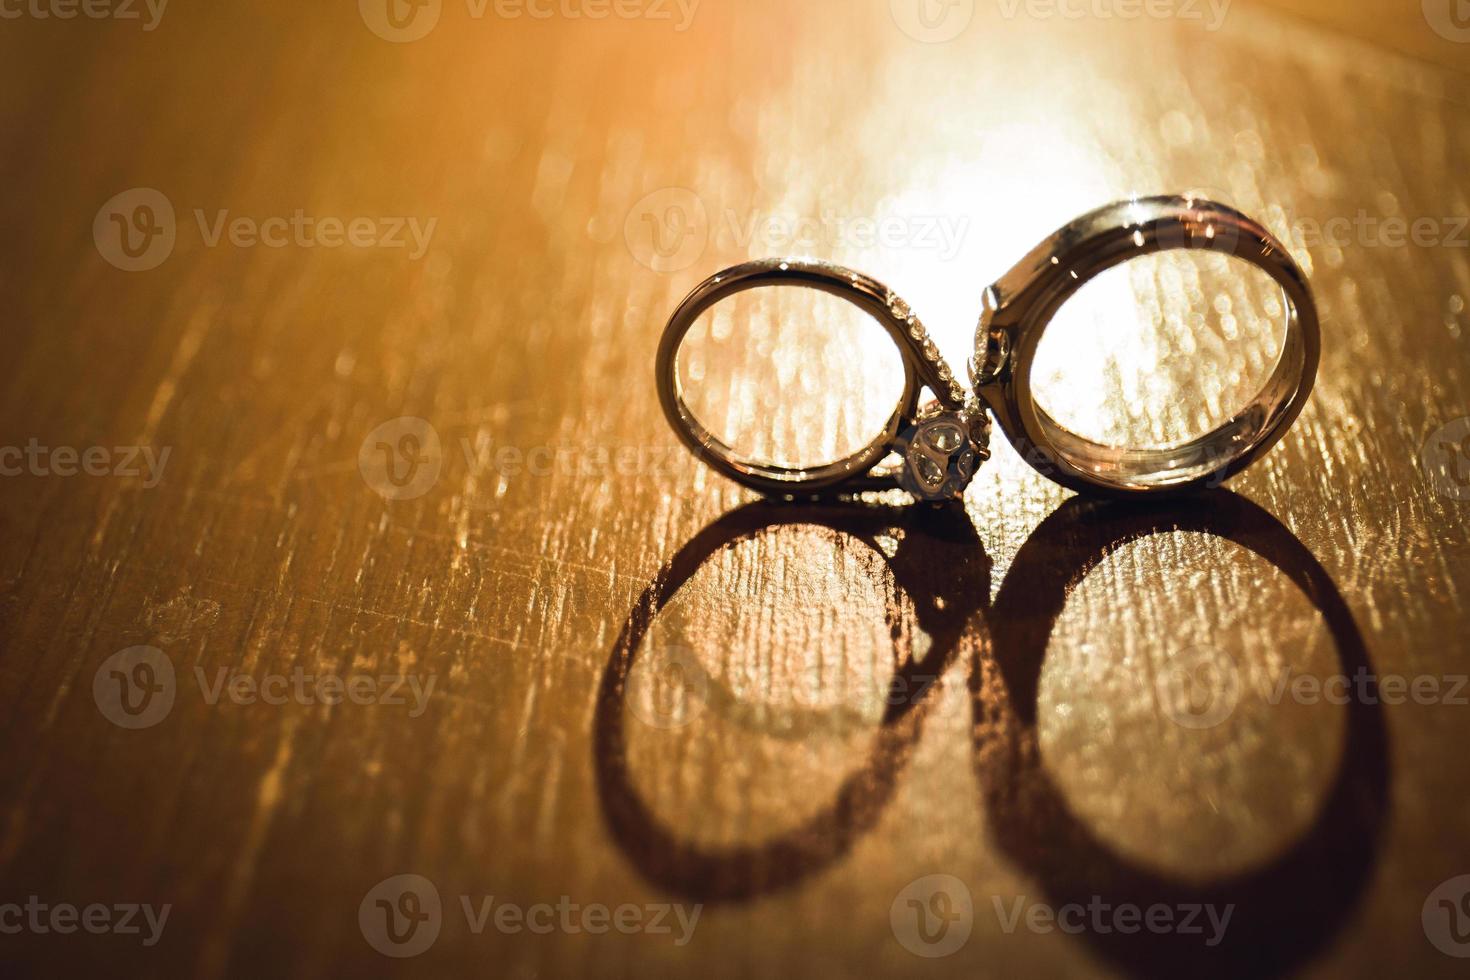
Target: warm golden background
1043,764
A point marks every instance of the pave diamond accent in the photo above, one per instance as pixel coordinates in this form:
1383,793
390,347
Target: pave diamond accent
905,317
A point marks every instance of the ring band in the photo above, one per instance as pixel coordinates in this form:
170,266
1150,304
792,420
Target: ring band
1021,304
940,444
920,434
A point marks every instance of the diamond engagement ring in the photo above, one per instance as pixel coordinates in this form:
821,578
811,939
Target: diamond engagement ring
932,449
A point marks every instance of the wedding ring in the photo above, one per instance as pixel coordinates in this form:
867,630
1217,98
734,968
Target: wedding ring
936,447
939,444
1019,307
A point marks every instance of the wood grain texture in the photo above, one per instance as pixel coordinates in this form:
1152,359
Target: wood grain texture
880,693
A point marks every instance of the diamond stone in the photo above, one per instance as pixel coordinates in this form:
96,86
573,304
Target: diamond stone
941,452
928,471
945,437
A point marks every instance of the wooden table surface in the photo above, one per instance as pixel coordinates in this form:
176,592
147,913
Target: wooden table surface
389,304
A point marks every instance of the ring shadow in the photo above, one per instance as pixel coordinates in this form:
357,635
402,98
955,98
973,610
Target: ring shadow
938,563
1285,910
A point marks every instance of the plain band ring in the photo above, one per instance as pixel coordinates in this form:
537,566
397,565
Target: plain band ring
1019,307
923,368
